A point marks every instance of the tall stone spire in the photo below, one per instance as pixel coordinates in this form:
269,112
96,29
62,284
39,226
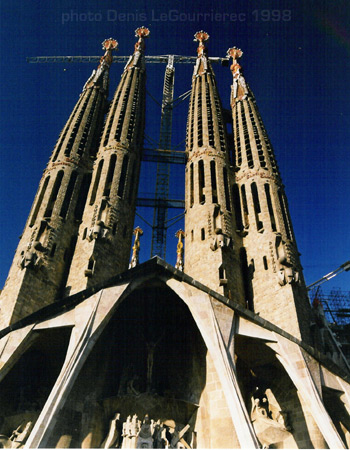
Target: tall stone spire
274,282
211,241
105,234
43,256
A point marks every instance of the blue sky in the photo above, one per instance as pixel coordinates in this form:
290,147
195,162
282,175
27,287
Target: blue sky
296,60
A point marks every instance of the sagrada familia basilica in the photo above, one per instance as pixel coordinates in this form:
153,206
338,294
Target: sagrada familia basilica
223,350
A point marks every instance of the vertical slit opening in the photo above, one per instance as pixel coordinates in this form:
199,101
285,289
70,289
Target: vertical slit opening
191,186
82,196
214,192
39,202
270,207
121,186
257,209
68,195
237,207
284,215
54,193
96,182
245,207
201,181
110,173
227,192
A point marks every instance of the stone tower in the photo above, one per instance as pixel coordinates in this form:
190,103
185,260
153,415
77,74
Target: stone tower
211,250
274,283
41,263
104,239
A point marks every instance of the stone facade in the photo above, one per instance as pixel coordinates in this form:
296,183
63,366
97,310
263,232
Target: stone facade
216,354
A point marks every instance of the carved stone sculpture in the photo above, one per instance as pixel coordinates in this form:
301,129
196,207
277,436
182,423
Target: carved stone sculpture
114,435
270,424
18,436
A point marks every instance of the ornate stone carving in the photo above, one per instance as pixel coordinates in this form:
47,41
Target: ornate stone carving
270,423
287,271
18,436
113,437
239,86
146,434
105,62
220,240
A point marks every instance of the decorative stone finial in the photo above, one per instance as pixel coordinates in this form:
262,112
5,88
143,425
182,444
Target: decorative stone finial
234,53
110,44
202,52
136,59
180,250
142,32
136,248
239,87
201,37
105,63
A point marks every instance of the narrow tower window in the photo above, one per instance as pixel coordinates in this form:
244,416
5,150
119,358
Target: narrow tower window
39,202
123,176
202,234
245,207
133,113
87,127
112,111
83,192
76,126
237,136
209,114
201,181
123,108
237,207
65,131
227,192
257,208
270,208
265,263
191,186
214,192
68,195
96,182
284,214
54,194
247,278
199,113
109,179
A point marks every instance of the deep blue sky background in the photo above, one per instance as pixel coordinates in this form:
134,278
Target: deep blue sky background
296,61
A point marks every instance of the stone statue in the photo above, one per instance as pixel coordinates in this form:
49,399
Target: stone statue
136,248
268,421
180,250
131,430
151,346
145,437
18,436
114,434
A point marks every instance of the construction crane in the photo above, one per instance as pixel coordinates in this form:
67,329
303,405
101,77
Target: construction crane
164,155
344,267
